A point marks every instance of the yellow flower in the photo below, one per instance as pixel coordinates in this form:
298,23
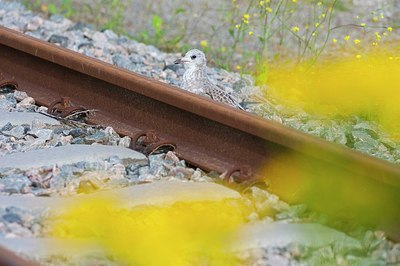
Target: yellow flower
246,16
316,24
238,67
44,8
357,41
294,1
261,3
245,21
319,4
334,40
313,34
374,44
203,43
237,26
268,9
358,56
251,33
295,29
390,29
347,37
375,19
362,24
382,16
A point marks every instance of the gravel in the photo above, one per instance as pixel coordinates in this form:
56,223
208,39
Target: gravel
113,172
151,62
84,177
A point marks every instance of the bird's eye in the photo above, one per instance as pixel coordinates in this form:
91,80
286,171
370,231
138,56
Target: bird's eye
193,57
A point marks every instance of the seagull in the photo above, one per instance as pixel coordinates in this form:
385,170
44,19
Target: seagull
195,79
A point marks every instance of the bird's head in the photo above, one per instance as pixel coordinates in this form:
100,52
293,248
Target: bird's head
193,58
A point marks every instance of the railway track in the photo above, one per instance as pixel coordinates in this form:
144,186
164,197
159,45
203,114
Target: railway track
299,168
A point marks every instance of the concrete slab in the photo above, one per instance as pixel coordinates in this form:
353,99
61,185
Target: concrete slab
69,154
274,234
36,248
19,118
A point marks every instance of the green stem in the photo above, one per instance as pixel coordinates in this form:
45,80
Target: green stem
328,33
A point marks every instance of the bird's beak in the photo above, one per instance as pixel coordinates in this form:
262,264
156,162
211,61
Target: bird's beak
178,61
181,61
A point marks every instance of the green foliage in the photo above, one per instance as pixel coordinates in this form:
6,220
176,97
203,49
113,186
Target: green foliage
105,14
244,35
157,24
64,8
157,35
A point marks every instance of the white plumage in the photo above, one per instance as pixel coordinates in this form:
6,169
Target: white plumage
195,79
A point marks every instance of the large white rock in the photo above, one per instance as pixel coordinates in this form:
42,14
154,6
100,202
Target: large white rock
69,154
274,234
158,194
19,118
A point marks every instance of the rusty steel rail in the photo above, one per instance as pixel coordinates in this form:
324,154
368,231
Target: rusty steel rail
205,133
8,258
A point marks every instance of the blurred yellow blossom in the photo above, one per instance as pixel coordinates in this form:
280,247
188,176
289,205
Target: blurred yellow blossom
347,37
251,33
334,40
261,3
390,29
203,43
357,41
295,29
345,85
268,9
44,8
362,24
185,233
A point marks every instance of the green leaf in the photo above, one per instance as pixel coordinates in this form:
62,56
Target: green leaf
231,32
176,39
261,39
157,23
179,10
52,8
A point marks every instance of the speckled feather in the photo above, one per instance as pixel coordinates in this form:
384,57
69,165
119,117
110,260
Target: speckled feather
195,79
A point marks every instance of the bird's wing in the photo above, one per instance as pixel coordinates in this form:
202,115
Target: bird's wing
218,94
